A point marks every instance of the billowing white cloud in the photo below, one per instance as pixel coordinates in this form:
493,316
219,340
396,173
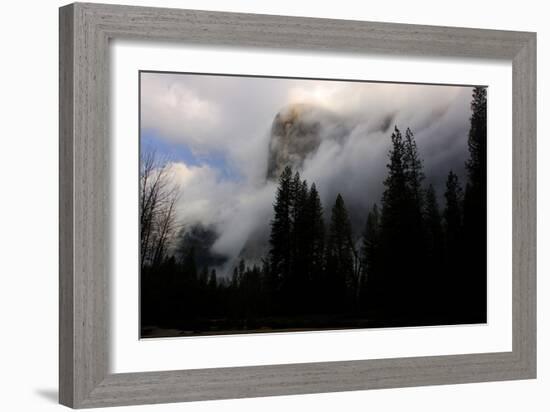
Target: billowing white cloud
203,195
237,210
176,111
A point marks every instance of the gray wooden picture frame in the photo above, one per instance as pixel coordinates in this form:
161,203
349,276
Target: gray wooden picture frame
85,32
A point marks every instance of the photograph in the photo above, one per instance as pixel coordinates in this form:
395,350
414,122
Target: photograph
278,204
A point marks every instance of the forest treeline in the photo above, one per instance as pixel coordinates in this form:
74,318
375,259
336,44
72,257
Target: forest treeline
416,262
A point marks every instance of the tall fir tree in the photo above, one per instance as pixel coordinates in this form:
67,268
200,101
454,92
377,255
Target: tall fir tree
315,243
455,285
280,237
419,285
475,206
396,281
294,286
298,196
413,170
317,231
396,196
339,256
477,138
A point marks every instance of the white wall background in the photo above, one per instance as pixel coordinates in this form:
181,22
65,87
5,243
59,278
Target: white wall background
28,206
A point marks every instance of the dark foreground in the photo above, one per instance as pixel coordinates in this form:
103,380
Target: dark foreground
211,327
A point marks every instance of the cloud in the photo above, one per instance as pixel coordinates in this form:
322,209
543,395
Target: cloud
205,197
176,111
237,211
234,116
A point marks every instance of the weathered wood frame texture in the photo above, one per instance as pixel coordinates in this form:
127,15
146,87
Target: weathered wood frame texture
85,31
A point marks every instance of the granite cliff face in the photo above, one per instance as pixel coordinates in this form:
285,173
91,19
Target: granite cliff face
297,132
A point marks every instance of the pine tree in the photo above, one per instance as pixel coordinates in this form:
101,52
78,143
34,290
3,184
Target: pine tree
300,239
396,196
339,255
298,196
455,283
418,280
477,138
475,207
293,283
280,238
413,169
399,285
317,232
315,242
393,285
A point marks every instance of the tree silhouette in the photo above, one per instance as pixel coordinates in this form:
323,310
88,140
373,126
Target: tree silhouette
475,206
295,285
413,171
157,199
315,242
401,237
477,139
339,255
280,238
454,257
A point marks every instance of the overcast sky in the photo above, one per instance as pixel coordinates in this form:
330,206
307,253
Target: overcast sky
216,132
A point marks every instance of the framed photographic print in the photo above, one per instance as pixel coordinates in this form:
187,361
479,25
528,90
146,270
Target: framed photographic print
308,205
257,205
